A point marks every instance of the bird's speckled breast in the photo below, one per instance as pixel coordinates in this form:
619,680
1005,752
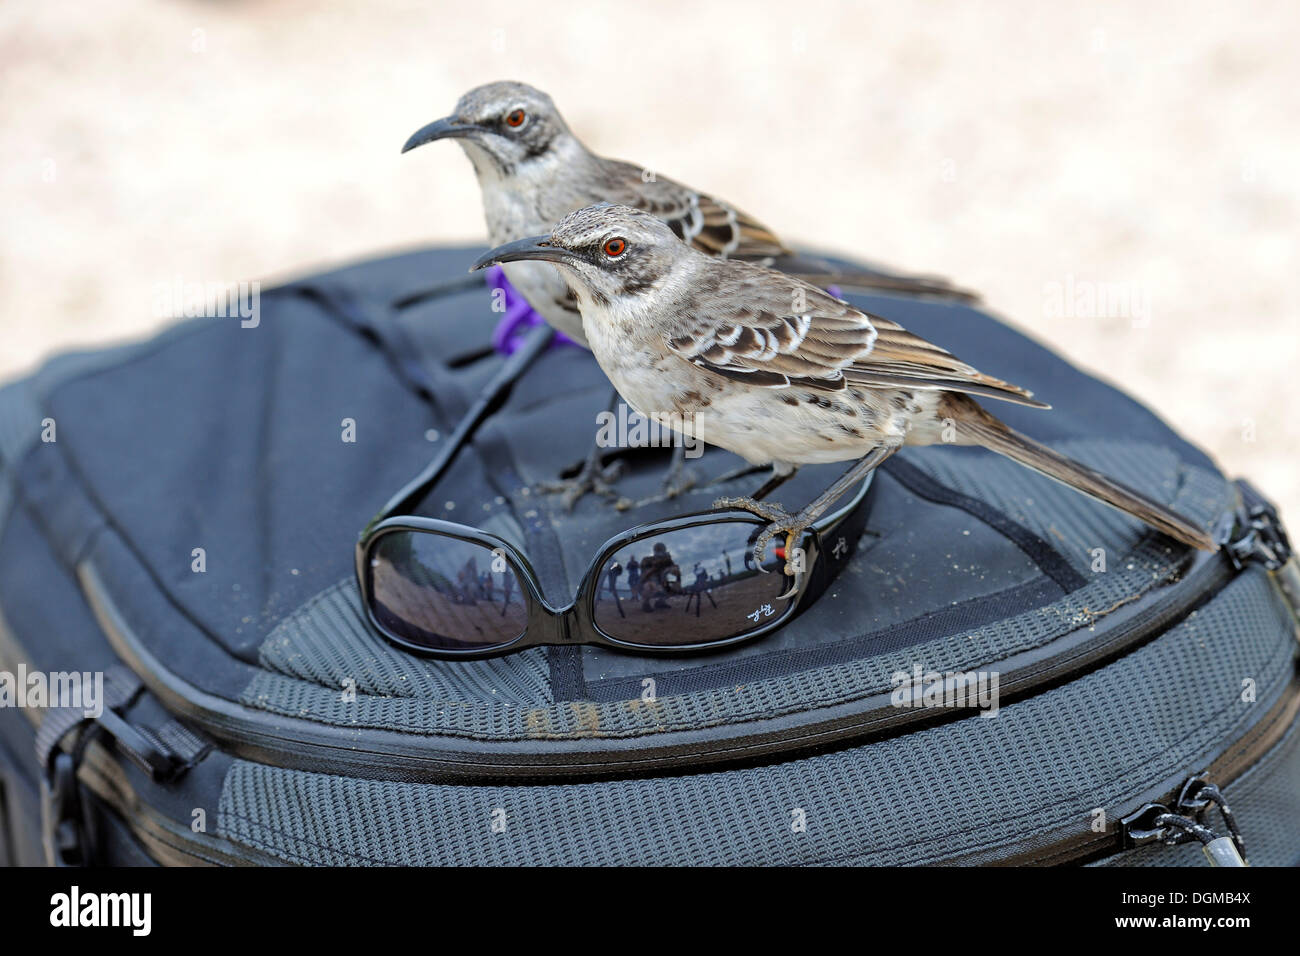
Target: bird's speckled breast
817,427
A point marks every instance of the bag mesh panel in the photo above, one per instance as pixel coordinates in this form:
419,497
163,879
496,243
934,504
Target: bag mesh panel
954,788
328,643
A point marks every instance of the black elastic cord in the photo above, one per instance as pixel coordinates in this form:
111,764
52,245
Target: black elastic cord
1185,829
1039,551
341,304
1213,794
489,400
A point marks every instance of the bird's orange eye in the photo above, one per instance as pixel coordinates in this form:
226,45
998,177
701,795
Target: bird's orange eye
515,118
615,248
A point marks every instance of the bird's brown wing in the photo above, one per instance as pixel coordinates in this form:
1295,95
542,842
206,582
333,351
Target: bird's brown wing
899,359
718,228
708,224
778,333
854,276
723,230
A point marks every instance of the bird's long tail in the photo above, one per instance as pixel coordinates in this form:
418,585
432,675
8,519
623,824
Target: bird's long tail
979,427
926,286
847,276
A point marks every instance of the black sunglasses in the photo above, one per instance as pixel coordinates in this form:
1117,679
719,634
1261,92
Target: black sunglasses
447,590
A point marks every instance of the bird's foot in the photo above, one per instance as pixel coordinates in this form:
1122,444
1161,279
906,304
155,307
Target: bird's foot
779,521
678,481
594,478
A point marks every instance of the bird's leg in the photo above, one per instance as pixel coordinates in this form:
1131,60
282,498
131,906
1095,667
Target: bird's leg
744,471
595,476
678,481
794,525
778,478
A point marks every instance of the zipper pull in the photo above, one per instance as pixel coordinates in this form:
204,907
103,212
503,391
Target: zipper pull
1223,852
1184,822
1257,535
1196,798
1156,823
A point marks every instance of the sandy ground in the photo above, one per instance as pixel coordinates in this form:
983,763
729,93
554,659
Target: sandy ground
1037,152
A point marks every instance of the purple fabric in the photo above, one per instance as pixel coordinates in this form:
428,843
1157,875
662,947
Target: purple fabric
519,317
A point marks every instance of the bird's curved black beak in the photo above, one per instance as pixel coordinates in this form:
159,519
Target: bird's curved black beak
445,128
534,247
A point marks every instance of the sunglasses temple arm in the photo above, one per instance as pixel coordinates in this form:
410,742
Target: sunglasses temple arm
488,400
848,525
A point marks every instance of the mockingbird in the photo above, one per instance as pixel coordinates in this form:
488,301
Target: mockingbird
532,171
780,372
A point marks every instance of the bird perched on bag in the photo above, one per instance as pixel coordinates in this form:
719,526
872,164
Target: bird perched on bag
532,171
781,373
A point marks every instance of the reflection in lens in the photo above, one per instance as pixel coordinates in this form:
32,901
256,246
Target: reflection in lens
444,593
689,586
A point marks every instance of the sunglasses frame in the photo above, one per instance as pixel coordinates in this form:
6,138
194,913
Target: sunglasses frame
574,623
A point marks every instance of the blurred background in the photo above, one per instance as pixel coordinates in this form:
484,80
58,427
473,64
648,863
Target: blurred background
1117,180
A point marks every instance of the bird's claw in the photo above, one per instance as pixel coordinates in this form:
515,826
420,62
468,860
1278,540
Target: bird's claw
594,478
779,520
760,547
678,482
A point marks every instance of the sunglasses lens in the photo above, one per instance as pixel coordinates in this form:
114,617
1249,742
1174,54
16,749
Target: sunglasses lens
690,586
445,594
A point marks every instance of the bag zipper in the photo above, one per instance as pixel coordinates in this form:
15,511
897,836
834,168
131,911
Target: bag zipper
1149,823
1254,536
1185,821
1141,825
1264,539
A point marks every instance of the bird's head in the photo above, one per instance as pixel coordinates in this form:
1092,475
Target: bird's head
502,126
613,256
